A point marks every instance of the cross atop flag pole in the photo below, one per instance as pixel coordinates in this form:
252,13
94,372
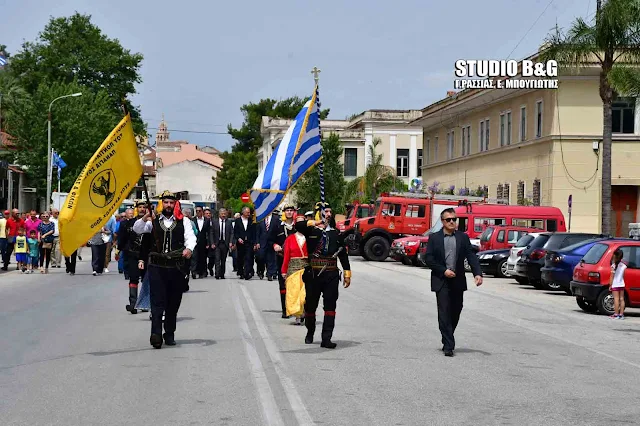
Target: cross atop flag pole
299,150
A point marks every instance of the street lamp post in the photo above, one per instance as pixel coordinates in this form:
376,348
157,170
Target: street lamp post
49,165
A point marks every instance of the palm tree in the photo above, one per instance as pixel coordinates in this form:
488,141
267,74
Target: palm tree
613,39
377,178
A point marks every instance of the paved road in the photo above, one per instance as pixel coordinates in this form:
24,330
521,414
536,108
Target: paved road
71,355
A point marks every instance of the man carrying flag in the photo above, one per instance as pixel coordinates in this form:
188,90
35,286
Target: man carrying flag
172,244
299,151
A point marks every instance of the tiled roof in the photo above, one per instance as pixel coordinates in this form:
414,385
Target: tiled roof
6,140
189,152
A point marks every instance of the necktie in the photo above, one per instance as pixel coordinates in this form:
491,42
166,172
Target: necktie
222,230
267,222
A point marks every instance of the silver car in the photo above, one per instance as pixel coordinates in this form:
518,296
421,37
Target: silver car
515,253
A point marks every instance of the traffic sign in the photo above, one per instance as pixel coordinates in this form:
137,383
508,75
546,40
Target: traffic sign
245,198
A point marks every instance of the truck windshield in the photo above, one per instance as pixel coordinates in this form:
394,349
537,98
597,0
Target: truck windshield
350,210
376,209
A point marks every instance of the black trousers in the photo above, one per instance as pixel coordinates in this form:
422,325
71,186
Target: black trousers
166,286
245,259
449,308
7,254
282,285
135,275
201,259
327,285
98,256
70,262
266,261
220,258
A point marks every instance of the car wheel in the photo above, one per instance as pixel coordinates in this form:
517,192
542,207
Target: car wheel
551,286
604,303
467,267
406,261
502,269
536,284
585,305
377,249
416,262
522,280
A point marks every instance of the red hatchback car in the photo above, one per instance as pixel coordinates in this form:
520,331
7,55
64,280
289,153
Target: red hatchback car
590,282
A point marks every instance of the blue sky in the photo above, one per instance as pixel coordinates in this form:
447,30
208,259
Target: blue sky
205,59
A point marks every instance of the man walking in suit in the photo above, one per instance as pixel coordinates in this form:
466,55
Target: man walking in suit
244,236
265,256
446,251
220,241
202,224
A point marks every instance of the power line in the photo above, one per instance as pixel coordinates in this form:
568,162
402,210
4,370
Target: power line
192,131
530,28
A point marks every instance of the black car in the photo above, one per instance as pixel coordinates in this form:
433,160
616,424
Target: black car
494,262
533,257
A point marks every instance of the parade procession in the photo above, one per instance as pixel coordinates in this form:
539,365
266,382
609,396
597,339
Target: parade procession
211,218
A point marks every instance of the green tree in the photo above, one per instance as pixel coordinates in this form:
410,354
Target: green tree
611,41
73,50
12,95
79,126
239,173
307,189
377,179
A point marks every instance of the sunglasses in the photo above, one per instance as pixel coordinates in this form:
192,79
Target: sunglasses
450,219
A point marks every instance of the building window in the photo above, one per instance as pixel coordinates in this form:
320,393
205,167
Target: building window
506,193
623,114
539,119
435,147
521,195
508,127
503,140
415,210
523,124
351,161
466,140
450,144
428,148
419,162
536,192
402,163
499,191
484,135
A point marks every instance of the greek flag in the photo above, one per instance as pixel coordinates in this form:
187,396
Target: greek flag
299,150
3,60
59,163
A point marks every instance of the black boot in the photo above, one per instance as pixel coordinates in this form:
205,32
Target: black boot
169,340
133,298
283,303
327,332
156,341
310,323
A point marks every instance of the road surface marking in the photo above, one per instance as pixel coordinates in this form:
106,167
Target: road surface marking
298,407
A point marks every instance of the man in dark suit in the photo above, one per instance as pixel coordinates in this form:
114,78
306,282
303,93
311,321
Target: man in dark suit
244,235
446,251
201,254
265,255
220,240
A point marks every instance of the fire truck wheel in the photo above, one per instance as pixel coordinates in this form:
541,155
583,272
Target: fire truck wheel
377,249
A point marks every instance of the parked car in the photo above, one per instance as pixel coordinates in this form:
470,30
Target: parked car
405,249
590,282
422,252
502,236
494,262
532,258
557,272
516,252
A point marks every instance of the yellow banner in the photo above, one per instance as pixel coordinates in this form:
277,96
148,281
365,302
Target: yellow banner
103,184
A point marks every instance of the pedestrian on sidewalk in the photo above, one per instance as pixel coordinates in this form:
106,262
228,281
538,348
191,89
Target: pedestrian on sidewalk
22,250
446,251
34,251
172,242
56,253
14,224
617,284
46,229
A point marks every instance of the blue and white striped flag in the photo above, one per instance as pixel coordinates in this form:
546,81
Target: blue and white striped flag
3,61
299,150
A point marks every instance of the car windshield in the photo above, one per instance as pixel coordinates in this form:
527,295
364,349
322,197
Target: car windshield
595,253
525,240
574,246
539,241
486,235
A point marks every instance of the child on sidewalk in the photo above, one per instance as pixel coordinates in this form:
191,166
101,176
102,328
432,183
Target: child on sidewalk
34,251
617,284
22,251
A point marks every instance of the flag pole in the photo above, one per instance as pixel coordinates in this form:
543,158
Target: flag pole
315,71
144,180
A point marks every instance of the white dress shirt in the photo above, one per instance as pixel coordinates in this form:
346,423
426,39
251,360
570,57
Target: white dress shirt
56,233
200,223
245,223
223,230
142,227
